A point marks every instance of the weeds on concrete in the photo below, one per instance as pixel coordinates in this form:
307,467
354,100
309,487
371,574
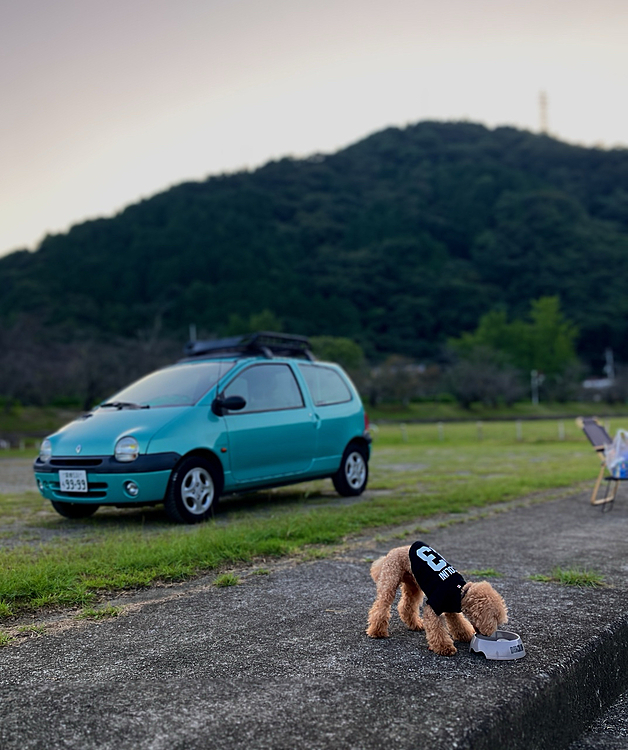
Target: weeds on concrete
485,573
227,579
571,577
31,630
101,613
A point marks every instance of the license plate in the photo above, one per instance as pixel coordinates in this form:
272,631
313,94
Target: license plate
72,481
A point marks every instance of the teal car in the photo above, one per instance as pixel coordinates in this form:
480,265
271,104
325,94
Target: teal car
234,415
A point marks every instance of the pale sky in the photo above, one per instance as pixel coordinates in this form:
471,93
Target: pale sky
106,102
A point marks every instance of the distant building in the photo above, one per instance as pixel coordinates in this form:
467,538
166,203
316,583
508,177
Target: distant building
598,384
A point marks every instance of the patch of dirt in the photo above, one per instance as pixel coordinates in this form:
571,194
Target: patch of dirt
16,475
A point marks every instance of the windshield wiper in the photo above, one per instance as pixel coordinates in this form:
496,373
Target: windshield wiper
123,405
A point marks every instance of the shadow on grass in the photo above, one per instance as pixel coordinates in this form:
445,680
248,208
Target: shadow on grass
154,518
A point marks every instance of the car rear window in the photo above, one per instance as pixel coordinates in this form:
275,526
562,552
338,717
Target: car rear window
326,386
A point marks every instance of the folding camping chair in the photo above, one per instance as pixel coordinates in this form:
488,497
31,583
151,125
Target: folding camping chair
600,440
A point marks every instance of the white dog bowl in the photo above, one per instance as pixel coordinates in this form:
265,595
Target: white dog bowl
500,645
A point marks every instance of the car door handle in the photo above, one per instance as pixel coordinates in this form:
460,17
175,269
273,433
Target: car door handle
316,420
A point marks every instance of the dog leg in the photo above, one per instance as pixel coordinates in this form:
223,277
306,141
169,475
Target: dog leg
379,614
459,627
408,607
438,638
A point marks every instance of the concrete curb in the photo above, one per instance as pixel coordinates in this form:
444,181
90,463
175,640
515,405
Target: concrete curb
559,706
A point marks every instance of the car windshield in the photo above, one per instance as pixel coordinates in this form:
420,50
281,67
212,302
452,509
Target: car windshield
182,385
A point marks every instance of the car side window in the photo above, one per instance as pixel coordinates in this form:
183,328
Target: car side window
266,387
326,386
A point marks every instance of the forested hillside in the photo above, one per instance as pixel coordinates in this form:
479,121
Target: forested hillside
399,242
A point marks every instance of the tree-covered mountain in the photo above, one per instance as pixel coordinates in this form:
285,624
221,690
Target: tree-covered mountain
400,241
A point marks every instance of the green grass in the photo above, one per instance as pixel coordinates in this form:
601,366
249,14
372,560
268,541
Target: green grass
488,433
415,473
5,639
571,577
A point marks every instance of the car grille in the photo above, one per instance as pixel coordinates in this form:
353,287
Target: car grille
75,463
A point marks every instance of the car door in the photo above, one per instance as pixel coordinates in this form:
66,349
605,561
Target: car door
275,434
334,410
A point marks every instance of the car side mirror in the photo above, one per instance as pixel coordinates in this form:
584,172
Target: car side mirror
232,403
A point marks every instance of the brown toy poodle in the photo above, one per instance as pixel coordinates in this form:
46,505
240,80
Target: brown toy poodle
419,570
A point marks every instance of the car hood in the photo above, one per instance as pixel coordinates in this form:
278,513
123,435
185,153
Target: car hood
97,433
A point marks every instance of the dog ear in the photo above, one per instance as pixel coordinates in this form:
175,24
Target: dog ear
376,567
484,607
501,610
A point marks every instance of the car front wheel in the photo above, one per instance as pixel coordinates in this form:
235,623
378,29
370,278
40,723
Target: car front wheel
193,491
353,474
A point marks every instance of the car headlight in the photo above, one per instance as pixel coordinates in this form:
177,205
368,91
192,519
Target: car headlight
127,449
45,450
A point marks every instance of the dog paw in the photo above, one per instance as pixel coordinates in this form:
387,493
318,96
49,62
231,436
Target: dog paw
416,626
465,637
445,650
374,633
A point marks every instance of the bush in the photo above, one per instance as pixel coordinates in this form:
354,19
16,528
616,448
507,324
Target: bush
482,376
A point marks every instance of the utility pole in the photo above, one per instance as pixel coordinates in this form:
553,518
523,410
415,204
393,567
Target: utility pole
609,367
536,380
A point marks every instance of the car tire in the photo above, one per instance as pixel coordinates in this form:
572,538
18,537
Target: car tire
193,490
353,474
74,510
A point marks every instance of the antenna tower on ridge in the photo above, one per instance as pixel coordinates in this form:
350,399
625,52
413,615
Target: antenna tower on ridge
543,112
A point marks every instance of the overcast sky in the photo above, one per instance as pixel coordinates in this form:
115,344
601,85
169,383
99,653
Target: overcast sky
104,103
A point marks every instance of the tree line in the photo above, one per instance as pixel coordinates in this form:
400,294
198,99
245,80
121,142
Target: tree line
491,365
402,243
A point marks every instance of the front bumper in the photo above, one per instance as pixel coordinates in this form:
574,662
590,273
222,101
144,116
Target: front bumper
107,479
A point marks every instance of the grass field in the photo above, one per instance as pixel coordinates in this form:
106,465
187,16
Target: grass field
417,471
29,424
432,411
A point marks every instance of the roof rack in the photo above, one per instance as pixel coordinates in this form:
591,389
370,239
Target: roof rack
266,343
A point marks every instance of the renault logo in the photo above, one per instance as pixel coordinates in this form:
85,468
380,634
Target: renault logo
78,448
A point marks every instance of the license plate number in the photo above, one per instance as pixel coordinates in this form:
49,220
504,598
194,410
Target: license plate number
73,481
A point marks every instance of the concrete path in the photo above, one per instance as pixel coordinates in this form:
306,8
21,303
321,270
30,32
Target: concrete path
282,661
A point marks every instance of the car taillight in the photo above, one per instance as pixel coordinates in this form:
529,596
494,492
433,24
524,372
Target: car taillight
366,422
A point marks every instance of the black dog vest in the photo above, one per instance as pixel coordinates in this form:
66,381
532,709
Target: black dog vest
440,581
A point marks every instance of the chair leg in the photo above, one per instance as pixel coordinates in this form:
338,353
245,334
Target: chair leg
610,494
610,499
595,500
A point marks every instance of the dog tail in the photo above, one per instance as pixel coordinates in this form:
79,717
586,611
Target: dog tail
376,567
